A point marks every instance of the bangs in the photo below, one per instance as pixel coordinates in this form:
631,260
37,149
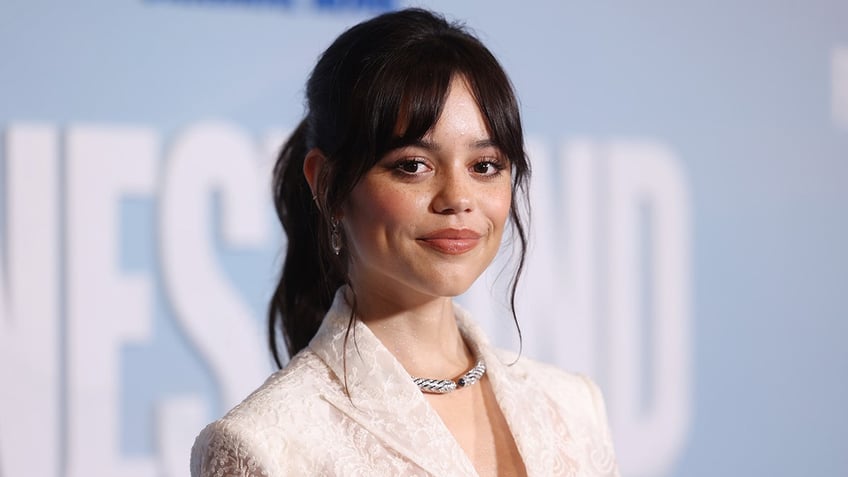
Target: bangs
414,86
414,89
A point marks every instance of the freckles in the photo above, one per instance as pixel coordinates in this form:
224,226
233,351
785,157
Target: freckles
499,202
393,205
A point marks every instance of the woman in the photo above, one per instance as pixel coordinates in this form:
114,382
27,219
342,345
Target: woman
394,193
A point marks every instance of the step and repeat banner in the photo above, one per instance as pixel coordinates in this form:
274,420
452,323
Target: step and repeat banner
690,221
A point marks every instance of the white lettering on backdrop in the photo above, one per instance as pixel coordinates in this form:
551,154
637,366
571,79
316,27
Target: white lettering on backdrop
106,308
646,176
29,304
581,304
207,159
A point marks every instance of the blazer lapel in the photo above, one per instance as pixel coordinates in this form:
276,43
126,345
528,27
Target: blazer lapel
382,397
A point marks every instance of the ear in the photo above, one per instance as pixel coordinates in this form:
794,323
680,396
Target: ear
312,166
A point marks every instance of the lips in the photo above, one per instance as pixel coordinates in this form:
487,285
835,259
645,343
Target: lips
451,241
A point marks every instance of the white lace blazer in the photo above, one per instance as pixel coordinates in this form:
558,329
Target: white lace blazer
300,422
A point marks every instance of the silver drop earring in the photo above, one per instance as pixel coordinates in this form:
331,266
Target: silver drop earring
335,236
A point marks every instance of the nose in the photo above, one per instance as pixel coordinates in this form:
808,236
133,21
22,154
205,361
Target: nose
454,194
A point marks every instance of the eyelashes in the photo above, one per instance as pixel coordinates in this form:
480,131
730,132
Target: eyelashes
411,166
489,167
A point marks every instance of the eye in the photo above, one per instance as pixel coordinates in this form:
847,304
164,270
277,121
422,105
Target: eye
487,167
411,166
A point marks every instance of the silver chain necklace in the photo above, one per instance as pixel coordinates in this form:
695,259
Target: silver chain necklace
442,386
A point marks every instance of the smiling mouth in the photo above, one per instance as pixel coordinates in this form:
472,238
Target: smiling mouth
451,241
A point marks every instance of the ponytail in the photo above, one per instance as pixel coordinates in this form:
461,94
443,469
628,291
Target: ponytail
310,274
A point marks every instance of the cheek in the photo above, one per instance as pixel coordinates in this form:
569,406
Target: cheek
498,206
380,210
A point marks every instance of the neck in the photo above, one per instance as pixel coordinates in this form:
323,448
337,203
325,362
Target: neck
422,334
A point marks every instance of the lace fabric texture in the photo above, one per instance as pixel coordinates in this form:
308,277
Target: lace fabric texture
301,422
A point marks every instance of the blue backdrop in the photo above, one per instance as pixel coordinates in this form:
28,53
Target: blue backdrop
690,194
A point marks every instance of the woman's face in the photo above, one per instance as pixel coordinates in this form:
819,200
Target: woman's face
428,218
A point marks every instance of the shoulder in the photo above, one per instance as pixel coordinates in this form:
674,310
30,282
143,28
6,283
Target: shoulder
573,405
574,394
279,415
294,388
558,382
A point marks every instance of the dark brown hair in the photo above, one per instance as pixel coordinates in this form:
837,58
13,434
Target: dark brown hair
396,65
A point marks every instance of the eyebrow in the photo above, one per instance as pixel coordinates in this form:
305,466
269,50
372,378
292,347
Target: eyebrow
432,146
483,143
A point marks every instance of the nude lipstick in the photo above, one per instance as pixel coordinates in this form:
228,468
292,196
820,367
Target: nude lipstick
451,241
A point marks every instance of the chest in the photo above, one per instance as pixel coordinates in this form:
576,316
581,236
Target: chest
474,418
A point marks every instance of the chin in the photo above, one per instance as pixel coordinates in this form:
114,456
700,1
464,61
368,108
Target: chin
450,286
454,292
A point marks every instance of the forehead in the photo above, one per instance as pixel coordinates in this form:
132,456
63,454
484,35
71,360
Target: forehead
455,110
